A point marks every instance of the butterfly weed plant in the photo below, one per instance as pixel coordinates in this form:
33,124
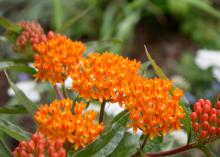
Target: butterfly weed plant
67,128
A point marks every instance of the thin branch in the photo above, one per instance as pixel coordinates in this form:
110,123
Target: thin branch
102,110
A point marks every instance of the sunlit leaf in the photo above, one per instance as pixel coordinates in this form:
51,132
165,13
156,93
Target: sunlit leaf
14,130
17,109
4,150
8,25
27,103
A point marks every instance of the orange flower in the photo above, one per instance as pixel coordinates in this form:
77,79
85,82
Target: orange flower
55,58
103,76
57,121
152,108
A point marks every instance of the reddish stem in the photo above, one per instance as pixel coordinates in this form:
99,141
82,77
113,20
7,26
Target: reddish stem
58,92
102,110
169,152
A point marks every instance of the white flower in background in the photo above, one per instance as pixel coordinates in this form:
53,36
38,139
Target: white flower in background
180,81
29,89
180,136
113,108
209,58
67,82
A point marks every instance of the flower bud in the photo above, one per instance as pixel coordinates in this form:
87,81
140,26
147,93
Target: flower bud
195,126
204,117
212,130
213,118
193,116
205,125
217,105
58,144
204,134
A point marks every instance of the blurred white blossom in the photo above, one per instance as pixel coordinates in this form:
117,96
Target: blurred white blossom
209,58
29,89
67,82
180,136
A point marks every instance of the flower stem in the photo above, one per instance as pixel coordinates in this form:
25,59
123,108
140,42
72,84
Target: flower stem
65,94
143,144
169,152
102,110
58,92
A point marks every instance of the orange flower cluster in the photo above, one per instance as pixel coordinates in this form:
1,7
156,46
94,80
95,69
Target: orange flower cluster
55,58
103,76
57,121
152,108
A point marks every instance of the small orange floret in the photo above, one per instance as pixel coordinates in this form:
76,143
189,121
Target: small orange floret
55,58
58,121
152,108
103,76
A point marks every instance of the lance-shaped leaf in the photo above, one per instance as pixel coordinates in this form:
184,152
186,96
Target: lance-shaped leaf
17,67
27,103
4,150
8,25
107,142
206,151
14,130
16,109
127,147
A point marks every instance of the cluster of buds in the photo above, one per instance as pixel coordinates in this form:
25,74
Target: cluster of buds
206,120
40,147
33,34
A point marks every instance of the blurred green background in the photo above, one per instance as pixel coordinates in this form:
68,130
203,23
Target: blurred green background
172,30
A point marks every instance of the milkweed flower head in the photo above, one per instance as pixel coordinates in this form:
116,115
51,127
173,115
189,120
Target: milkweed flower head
40,146
152,108
206,120
57,121
32,33
103,76
55,58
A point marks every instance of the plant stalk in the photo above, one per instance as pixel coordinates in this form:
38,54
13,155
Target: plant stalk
102,110
58,92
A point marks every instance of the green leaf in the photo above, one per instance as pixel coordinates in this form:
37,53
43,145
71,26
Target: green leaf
8,25
57,14
72,20
13,130
127,147
157,69
17,67
206,151
4,150
27,103
17,109
187,121
107,142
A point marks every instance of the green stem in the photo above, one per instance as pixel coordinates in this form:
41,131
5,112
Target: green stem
102,110
65,94
143,144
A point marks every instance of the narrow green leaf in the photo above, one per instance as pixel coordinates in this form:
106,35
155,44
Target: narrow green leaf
27,103
13,130
127,147
17,109
206,151
8,25
72,20
4,150
108,141
203,5
17,67
157,69
187,121
103,146
57,14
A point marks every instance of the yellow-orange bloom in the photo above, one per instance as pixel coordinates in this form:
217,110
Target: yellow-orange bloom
103,76
55,58
58,121
152,108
